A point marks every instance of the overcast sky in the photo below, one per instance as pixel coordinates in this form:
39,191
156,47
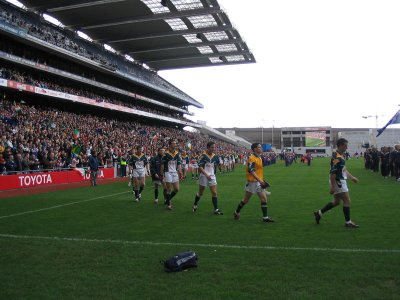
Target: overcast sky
319,63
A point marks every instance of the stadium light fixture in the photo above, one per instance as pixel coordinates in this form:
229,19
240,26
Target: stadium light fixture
272,134
374,116
84,36
53,20
262,131
17,3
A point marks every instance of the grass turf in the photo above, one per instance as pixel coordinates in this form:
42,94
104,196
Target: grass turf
109,247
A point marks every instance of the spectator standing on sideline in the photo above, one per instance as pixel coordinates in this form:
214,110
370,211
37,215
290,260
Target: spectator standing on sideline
94,168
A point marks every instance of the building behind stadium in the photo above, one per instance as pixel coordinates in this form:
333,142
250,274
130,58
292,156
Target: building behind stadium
317,140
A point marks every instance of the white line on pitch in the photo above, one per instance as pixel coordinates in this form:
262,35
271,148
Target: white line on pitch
58,206
54,238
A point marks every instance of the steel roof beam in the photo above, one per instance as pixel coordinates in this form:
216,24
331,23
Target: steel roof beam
199,65
192,45
82,5
149,18
223,54
169,33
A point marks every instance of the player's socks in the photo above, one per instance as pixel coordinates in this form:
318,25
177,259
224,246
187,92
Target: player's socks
155,193
346,212
196,199
141,189
165,194
264,209
136,194
327,207
240,206
168,199
215,202
173,193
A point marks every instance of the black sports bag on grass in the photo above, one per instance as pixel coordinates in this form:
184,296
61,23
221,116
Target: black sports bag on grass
181,261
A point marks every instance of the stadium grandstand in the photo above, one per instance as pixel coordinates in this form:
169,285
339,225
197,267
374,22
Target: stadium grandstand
77,76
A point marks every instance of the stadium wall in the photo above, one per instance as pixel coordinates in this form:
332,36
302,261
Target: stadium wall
11,182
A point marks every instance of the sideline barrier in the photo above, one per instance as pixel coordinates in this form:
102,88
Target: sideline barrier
11,182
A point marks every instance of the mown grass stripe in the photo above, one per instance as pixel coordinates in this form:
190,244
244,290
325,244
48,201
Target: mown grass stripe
149,243
58,206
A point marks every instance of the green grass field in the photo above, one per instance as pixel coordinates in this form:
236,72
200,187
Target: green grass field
105,246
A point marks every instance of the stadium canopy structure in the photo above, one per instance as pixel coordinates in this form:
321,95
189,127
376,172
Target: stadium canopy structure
163,34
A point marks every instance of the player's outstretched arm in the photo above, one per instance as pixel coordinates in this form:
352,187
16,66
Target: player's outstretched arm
353,178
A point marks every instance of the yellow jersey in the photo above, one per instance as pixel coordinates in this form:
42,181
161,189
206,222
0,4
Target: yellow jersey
254,163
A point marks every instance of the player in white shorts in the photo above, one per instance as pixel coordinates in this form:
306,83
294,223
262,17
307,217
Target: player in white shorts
171,168
137,163
338,185
207,169
194,165
185,164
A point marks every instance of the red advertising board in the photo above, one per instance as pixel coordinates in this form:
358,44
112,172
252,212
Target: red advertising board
10,182
20,86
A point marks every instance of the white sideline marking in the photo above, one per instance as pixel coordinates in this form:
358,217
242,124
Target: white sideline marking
54,238
58,206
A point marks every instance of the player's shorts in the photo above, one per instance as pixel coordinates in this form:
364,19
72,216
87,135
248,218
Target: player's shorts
186,166
340,187
156,180
203,181
253,187
195,166
136,173
171,177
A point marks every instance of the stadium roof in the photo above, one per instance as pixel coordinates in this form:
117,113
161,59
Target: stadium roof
163,34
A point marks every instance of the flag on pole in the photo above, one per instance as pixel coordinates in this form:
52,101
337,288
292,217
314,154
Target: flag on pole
75,134
76,149
394,120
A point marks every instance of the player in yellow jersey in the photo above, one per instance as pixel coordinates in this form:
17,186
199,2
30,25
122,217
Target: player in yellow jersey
255,183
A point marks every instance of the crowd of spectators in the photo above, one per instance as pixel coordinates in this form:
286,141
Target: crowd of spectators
387,159
38,137
70,42
86,75
269,158
288,157
52,36
41,137
47,82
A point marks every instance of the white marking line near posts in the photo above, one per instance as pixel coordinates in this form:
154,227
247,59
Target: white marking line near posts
122,242
58,206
